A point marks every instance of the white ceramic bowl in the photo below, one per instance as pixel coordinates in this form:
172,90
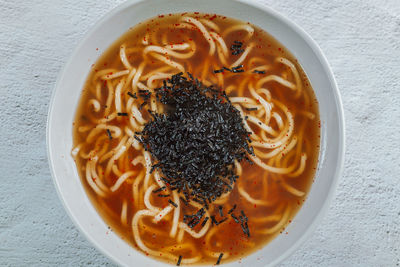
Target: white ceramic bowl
72,78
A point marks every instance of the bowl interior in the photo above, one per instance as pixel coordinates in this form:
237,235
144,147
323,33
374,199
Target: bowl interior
72,78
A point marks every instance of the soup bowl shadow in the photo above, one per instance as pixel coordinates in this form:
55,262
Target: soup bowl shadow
72,78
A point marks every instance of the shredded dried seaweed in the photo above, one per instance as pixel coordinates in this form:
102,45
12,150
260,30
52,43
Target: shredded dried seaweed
197,140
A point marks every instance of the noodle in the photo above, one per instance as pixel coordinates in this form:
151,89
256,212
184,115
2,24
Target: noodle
203,31
279,225
121,179
243,56
113,75
116,131
124,58
124,210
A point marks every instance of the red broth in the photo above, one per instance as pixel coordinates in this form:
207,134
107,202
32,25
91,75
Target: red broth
279,195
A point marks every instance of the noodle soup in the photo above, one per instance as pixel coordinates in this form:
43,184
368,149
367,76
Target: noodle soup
129,102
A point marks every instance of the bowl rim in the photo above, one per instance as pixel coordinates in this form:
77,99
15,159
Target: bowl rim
326,68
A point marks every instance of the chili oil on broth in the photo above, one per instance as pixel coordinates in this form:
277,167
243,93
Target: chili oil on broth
269,199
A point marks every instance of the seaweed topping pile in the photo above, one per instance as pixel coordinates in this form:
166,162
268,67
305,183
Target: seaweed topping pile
197,140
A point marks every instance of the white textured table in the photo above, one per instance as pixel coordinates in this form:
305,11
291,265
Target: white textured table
361,40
